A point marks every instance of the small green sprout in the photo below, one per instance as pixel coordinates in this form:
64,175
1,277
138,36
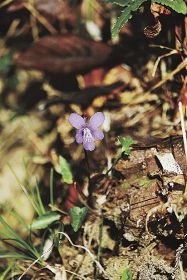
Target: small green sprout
126,144
127,274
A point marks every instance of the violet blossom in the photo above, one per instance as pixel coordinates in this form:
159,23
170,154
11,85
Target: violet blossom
87,131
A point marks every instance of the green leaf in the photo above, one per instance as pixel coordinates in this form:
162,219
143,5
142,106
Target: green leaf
77,217
14,255
126,143
45,220
133,5
122,3
178,6
126,275
10,234
65,170
6,63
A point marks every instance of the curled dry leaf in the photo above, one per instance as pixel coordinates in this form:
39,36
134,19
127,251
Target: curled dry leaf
157,9
67,54
153,30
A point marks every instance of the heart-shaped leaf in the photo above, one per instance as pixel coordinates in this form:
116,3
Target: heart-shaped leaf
77,217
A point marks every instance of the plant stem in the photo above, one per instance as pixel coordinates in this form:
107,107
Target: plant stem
114,163
52,186
88,168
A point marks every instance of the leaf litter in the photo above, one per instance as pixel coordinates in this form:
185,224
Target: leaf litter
130,220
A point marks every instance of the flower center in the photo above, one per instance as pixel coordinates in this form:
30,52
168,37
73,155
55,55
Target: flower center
87,135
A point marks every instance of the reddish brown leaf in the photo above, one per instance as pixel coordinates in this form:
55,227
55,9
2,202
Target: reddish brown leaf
72,197
67,54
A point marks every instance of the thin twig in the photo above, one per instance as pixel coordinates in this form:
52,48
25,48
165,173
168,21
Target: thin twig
170,75
33,263
40,18
160,47
159,58
181,271
183,128
100,244
75,274
84,248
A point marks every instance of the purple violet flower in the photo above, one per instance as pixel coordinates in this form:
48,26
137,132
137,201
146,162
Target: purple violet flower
87,131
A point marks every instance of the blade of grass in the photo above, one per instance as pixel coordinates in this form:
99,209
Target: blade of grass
6,255
41,208
25,191
52,186
14,236
5,273
23,251
17,216
35,195
11,231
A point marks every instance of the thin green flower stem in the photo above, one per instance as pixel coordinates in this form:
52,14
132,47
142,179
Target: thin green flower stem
114,163
88,170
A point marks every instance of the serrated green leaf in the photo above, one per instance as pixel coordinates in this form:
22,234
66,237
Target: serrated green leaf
126,143
77,217
125,16
45,220
65,170
133,5
178,6
126,275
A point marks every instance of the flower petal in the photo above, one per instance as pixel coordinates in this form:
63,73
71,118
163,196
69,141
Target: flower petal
78,136
89,145
96,120
97,134
76,120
